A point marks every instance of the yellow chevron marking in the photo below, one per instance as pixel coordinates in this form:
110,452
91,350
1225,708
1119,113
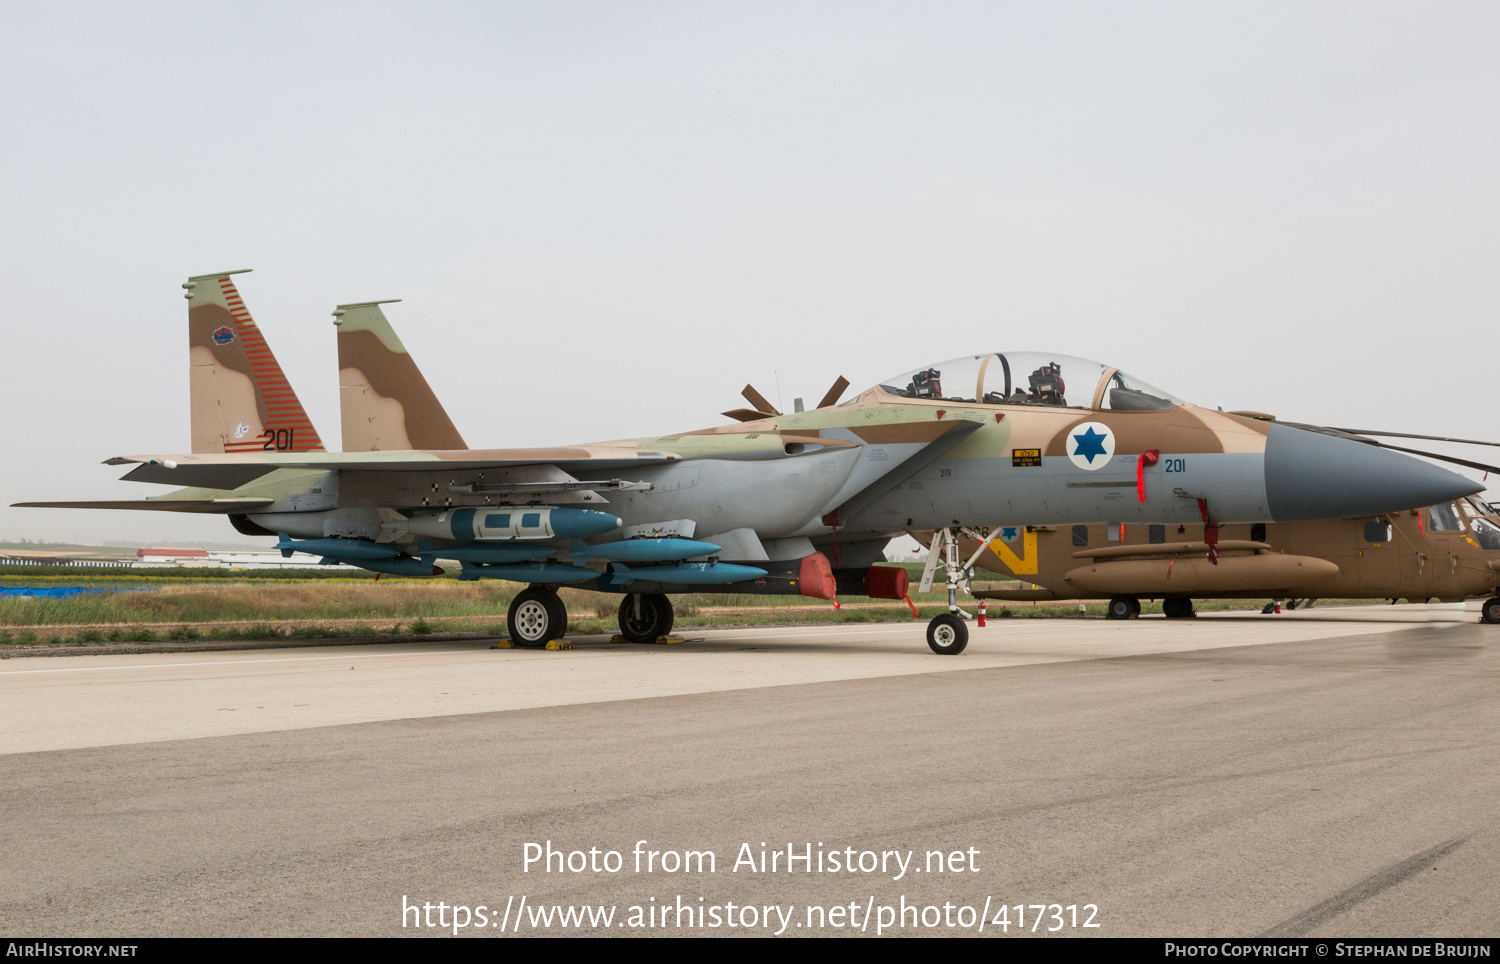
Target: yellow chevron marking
1020,566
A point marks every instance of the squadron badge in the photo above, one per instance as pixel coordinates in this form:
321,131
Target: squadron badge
223,335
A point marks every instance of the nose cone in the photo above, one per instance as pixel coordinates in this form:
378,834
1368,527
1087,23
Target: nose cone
1315,476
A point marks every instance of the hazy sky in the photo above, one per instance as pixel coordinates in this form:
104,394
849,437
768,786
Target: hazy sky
606,218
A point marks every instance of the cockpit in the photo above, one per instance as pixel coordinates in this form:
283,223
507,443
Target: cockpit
1030,378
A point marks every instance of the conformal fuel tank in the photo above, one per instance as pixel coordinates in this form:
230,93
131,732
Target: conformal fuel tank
1195,575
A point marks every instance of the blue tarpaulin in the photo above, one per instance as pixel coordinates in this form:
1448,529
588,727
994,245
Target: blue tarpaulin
57,592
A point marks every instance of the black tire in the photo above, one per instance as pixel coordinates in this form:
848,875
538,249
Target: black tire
533,618
1123,607
947,635
559,612
655,617
1135,606
1490,611
1177,608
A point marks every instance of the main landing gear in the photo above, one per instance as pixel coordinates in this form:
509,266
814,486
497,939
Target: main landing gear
645,616
947,634
1490,611
537,616
1124,607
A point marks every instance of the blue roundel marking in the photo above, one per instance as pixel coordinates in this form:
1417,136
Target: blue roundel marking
223,335
1090,446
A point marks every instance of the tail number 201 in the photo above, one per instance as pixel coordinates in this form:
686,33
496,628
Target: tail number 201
278,439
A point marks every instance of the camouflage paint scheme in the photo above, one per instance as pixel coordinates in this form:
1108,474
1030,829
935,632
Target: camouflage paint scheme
1447,552
841,478
241,400
385,402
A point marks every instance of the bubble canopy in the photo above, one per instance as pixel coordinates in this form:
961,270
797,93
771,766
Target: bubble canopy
1030,378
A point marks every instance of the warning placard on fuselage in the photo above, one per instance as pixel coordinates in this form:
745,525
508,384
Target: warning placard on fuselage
1025,457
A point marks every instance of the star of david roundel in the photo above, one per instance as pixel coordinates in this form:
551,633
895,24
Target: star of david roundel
1091,445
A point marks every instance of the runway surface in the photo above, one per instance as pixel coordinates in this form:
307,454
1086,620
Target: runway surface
1329,772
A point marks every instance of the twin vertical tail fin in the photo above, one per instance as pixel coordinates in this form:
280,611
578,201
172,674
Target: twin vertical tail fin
241,400
385,404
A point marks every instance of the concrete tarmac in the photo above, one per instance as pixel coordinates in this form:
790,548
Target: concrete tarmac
1326,773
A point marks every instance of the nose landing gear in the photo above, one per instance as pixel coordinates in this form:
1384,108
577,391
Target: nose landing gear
948,634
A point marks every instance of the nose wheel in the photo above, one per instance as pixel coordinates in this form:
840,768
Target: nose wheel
947,635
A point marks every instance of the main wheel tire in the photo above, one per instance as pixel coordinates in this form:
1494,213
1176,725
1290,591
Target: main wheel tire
559,612
655,617
532,619
947,635
1177,608
1122,607
1490,611
1135,606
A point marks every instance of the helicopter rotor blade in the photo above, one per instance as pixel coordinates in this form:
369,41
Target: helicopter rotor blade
1430,438
835,393
758,400
1356,437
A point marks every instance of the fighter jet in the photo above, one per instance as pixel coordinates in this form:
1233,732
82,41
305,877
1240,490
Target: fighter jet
800,502
1448,552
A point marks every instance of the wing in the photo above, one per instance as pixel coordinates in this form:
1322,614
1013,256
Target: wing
233,471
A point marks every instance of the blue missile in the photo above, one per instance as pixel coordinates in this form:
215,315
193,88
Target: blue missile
545,572
405,566
341,549
686,574
509,552
645,550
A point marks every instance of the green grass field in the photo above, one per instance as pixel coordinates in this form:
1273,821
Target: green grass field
190,604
